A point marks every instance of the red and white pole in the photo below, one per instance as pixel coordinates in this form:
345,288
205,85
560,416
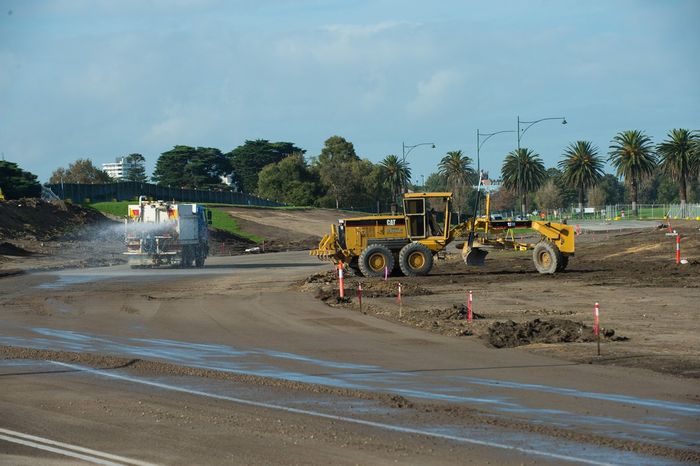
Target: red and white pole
398,299
596,325
470,315
678,249
359,295
341,280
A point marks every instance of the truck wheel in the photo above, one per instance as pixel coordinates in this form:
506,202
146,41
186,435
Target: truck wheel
199,257
546,257
374,259
186,257
415,259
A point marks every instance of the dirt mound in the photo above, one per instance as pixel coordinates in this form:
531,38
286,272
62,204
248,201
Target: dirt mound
325,286
44,221
510,334
9,249
223,243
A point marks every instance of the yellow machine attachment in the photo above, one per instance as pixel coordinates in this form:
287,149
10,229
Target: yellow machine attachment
550,254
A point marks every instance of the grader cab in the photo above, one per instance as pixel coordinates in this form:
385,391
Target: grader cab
407,243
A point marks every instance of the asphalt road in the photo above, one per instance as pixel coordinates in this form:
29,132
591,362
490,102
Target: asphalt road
231,364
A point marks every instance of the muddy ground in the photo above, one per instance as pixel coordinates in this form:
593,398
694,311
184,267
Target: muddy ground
648,304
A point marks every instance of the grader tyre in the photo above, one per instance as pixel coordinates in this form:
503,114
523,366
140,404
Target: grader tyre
546,257
415,260
374,259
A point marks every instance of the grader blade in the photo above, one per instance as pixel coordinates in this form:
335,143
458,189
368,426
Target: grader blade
475,257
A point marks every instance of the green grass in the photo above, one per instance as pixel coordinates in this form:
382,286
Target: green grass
219,219
118,209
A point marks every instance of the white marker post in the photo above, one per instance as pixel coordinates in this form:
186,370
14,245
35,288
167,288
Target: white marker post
398,298
359,295
596,324
341,280
386,273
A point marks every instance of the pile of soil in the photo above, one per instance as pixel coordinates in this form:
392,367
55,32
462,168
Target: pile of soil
223,243
511,334
42,220
9,249
324,285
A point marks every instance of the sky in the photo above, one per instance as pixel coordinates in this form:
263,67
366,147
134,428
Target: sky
103,79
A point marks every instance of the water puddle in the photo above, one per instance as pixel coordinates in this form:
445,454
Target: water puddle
660,421
370,413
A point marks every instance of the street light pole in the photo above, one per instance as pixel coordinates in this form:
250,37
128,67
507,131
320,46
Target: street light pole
410,148
405,150
530,123
480,143
520,135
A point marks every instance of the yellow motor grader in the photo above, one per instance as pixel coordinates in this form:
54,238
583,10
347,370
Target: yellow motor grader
407,242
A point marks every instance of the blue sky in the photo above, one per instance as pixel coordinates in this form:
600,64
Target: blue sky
100,79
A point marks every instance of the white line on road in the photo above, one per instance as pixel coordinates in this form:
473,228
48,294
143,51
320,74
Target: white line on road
67,449
379,425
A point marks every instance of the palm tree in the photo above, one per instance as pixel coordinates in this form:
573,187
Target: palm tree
523,172
581,167
632,155
397,173
456,168
680,158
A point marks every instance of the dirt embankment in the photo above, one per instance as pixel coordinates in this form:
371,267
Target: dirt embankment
649,303
36,234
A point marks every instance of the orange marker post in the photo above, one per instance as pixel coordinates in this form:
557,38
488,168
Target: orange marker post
678,249
470,315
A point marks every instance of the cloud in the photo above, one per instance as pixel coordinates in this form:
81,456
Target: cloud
433,93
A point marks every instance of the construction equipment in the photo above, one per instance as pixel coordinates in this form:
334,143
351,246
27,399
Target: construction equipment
377,244
158,232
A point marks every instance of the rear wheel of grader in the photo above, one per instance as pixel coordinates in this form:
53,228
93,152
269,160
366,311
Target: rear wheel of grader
415,259
546,257
374,259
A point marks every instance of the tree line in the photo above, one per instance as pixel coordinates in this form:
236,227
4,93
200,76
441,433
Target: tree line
339,178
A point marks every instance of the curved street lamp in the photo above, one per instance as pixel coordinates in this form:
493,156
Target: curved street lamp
520,135
410,148
530,123
405,150
480,143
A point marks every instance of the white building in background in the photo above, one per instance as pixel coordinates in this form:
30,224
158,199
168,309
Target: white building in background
119,169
